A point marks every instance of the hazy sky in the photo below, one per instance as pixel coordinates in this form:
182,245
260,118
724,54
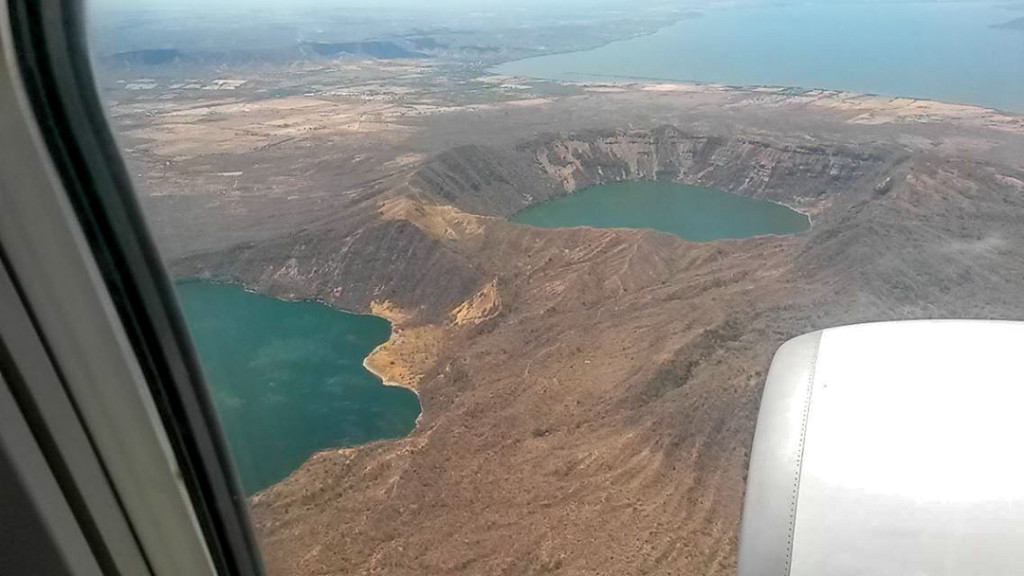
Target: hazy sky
439,5
290,5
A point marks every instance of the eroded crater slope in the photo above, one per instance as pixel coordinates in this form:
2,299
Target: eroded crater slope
589,395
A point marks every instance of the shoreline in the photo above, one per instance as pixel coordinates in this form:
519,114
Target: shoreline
315,300
801,211
690,15
383,379
385,382
586,65
650,82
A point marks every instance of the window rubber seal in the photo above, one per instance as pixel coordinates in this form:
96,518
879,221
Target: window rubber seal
53,60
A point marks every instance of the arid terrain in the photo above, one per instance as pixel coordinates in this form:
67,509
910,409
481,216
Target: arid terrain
589,396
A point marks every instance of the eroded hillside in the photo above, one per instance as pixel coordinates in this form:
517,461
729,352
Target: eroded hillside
589,395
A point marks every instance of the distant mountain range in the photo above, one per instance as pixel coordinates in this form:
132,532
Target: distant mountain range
382,49
1015,24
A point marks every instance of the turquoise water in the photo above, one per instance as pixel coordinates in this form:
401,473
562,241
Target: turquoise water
288,380
944,51
690,212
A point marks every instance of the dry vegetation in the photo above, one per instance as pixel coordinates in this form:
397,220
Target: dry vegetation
588,395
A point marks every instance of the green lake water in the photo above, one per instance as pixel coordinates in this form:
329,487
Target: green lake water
287,378
690,212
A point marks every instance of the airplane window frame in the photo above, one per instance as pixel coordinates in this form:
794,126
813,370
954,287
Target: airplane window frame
49,42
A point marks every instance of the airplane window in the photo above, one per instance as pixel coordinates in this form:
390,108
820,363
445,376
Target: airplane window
492,287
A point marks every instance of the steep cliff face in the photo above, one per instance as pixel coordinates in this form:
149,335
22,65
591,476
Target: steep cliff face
418,244
393,260
498,182
762,168
484,180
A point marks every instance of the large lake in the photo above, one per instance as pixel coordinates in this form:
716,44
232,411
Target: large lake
946,51
288,380
690,212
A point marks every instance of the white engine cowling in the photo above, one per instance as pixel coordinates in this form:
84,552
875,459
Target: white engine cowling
890,449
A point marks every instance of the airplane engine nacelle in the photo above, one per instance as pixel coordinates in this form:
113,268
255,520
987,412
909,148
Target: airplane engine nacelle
890,449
